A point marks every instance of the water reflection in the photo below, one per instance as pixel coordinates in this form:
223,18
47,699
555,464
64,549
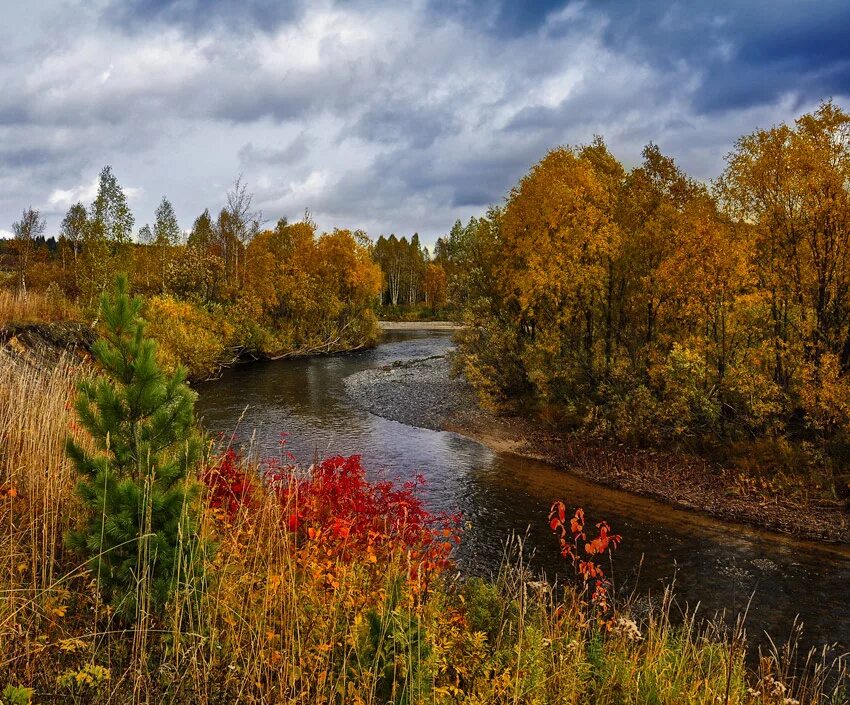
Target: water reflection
714,563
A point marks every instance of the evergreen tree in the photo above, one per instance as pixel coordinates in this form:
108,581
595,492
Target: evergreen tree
140,525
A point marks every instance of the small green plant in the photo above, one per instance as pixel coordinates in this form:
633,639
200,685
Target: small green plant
139,519
394,648
84,683
16,695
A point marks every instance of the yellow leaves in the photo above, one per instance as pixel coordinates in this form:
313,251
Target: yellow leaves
435,284
448,690
558,232
825,392
187,335
88,678
353,694
314,280
55,604
72,645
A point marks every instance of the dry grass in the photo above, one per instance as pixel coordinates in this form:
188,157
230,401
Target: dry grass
35,307
260,619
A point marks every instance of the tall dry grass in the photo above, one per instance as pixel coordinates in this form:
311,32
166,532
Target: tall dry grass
35,307
36,502
264,616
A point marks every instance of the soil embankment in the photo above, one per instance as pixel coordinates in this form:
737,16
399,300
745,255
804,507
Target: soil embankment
37,343
425,393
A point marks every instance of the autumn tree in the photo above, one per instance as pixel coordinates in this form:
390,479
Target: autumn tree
202,233
403,265
434,285
791,185
643,305
111,211
107,234
166,236
468,255
557,234
318,291
73,231
25,231
239,223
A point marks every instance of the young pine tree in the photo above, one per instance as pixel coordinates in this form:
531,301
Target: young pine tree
140,524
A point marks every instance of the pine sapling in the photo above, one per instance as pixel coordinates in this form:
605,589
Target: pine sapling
140,510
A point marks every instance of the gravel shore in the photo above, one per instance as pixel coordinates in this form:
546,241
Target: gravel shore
415,392
424,393
419,325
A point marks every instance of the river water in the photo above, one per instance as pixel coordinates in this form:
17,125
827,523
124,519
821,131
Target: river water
714,564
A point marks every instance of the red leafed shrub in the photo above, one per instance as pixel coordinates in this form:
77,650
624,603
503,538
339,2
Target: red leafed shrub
229,484
336,502
333,503
583,550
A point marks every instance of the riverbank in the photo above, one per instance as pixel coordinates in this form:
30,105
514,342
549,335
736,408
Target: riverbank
424,393
37,343
45,343
419,325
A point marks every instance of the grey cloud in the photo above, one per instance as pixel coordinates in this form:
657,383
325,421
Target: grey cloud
395,116
297,150
201,15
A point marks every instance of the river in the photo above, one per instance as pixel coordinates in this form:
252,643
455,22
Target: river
716,564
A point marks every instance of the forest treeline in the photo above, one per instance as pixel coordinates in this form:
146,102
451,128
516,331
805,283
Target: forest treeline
231,287
411,276
643,306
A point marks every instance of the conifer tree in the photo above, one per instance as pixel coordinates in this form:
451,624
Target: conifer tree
140,523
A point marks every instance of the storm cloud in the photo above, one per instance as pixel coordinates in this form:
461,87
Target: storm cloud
391,117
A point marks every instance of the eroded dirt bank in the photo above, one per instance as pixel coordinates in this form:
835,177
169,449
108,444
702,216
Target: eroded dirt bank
40,343
424,393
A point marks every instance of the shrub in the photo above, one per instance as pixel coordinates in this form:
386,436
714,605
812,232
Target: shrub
188,335
335,505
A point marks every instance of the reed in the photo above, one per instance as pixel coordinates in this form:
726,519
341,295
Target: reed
35,307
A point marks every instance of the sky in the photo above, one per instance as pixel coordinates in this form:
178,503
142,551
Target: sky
385,116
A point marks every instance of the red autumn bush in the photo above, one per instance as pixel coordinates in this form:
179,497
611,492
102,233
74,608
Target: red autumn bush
229,484
333,502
